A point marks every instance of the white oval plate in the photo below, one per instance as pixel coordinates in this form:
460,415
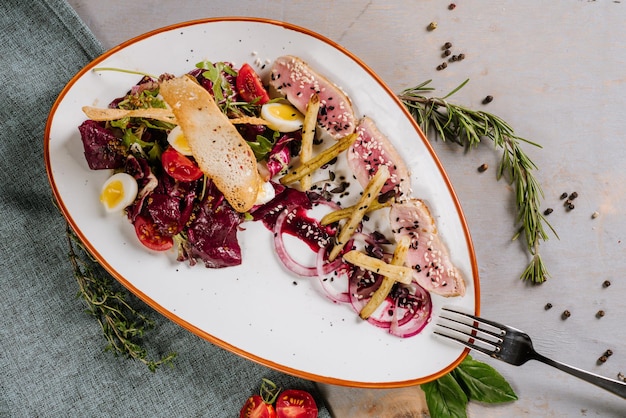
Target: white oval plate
255,310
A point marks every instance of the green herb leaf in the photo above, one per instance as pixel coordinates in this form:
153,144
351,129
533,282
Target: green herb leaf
261,147
123,326
483,383
445,398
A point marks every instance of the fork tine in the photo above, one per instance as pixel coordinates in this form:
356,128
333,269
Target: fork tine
473,335
467,343
475,326
477,319
478,334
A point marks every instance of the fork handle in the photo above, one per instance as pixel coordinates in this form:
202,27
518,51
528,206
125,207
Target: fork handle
613,386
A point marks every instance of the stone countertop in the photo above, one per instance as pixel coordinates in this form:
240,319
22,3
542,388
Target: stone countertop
556,71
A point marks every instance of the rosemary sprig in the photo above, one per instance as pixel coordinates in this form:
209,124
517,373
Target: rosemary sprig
122,325
467,127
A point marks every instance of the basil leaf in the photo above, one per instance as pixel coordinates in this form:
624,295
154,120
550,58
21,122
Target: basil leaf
445,398
483,383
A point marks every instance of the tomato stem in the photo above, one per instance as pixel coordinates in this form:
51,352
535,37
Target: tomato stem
269,391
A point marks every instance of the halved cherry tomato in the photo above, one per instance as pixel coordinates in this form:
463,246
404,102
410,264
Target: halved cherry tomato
149,235
179,167
256,408
294,403
250,87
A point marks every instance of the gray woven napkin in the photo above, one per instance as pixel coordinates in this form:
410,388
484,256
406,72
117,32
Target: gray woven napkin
52,361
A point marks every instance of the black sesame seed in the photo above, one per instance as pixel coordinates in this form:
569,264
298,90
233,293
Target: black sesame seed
446,53
488,99
548,211
600,313
606,283
548,306
451,6
483,167
602,359
566,314
573,196
563,196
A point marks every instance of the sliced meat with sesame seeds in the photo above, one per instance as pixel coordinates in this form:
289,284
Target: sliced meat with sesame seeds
297,82
428,255
369,151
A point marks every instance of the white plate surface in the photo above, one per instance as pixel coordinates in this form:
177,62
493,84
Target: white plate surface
254,309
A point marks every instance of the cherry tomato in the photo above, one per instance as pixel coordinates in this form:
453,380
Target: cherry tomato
294,403
250,87
149,235
256,408
179,167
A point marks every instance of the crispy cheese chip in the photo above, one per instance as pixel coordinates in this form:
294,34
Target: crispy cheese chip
370,194
218,148
106,114
399,257
248,120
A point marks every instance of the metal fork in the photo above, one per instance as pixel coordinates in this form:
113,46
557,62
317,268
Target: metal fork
509,345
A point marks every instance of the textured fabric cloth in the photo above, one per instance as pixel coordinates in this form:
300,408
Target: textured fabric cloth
52,358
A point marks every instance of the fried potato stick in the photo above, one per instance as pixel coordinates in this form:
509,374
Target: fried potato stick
308,134
397,273
339,214
102,115
399,255
319,160
371,192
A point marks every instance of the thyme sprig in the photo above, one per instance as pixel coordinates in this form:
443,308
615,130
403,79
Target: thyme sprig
467,127
122,325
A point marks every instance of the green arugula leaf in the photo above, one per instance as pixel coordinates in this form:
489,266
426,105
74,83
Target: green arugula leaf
445,398
261,147
146,99
483,383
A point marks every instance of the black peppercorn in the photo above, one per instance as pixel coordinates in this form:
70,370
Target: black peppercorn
446,52
488,99
447,45
606,283
573,196
563,196
600,313
548,306
461,57
454,58
451,6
